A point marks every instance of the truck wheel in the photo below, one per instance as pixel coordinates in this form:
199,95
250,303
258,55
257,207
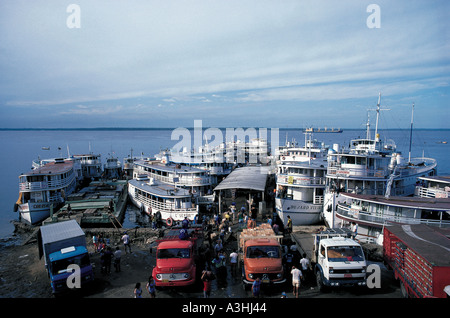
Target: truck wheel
319,282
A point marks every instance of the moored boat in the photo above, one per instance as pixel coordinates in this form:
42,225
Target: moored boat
370,167
152,197
300,182
372,212
43,188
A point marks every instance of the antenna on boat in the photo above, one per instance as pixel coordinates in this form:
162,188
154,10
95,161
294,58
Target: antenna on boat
410,133
378,113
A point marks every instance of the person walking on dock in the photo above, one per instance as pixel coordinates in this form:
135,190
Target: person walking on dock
117,256
289,225
126,242
296,277
151,287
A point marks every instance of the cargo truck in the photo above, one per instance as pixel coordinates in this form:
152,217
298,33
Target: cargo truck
337,259
177,259
419,256
260,256
63,244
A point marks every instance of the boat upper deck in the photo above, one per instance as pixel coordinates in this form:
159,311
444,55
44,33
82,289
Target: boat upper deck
160,189
52,168
409,202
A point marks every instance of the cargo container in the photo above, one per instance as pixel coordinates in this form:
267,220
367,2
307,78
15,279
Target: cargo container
64,244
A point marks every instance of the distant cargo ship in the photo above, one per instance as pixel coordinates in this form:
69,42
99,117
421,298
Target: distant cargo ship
323,130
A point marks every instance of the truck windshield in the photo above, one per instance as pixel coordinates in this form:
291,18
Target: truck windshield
174,253
345,253
60,266
263,251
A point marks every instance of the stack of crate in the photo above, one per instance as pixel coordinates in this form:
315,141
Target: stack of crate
262,231
399,254
419,273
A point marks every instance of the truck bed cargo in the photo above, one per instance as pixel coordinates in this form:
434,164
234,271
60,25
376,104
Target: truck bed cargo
420,258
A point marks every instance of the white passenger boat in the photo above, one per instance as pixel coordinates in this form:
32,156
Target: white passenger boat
112,168
152,196
300,181
372,212
43,186
196,181
89,165
370,167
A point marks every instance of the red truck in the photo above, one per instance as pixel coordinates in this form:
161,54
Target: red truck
419,255
176,259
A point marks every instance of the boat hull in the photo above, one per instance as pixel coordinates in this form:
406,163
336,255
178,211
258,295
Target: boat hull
300,212
34,213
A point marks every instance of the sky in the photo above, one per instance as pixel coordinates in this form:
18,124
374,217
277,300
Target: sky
229,63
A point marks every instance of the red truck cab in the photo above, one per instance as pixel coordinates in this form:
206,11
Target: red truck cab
176,259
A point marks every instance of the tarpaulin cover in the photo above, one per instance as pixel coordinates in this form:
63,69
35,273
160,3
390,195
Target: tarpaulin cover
250,178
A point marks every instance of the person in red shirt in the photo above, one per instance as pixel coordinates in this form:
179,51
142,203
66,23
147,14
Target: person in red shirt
207,278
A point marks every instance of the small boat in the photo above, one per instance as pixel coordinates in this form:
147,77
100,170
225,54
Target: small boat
323,130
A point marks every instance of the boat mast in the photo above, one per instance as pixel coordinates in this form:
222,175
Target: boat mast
410,133
378,114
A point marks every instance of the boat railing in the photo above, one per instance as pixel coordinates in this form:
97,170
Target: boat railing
345,171
347,212
46,185
318,199
288,179
163,206
431,192
183,180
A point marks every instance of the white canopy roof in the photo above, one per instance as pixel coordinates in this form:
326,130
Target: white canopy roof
249,177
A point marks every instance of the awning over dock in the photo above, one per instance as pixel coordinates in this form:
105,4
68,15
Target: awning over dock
246,178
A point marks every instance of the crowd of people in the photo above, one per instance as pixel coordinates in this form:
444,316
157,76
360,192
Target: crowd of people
219,256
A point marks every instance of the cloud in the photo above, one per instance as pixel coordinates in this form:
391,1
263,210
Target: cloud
218,52
93,110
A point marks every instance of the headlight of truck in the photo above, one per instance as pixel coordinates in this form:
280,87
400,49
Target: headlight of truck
331,271
363,270
186,275
279,275
250,276
158,276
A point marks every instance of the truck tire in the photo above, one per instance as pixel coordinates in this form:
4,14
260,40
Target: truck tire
319,282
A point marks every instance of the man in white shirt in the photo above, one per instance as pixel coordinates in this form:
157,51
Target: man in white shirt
296,277
233,262
126,242
305,266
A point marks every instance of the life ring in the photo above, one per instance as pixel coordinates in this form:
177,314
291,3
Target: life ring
169,222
